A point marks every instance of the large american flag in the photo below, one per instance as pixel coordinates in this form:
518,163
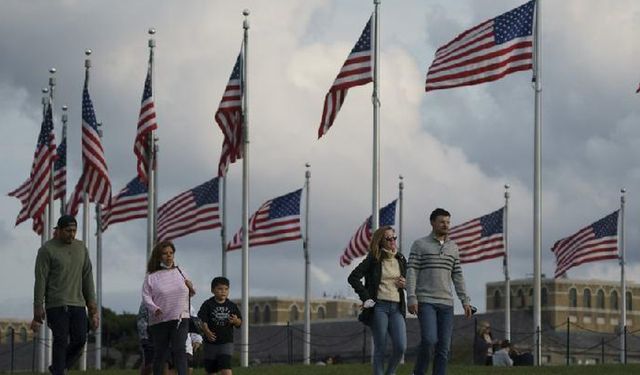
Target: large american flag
130,203
146,125
34,192
277,220
359,244
95,175
229,119
356,71
481,238
486,52
192,211
597,241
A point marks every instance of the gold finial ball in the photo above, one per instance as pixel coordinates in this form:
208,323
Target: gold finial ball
246,12
151,31
88,52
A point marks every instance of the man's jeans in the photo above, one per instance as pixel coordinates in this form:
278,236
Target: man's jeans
388,319
436,326
69,325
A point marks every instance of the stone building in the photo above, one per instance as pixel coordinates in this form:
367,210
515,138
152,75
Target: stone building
20,328
280,310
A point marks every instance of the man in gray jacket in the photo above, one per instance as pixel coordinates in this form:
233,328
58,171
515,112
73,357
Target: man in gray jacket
433,264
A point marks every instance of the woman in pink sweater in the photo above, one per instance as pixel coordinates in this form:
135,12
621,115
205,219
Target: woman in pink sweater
165,293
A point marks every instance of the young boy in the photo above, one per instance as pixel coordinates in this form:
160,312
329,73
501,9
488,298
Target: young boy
219,315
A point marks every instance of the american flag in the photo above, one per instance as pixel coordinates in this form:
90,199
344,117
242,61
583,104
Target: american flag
192,211
597,241
486,52
34,192
481,238
130,203
146,125
359,244
75,200
277,220
229,119
638,89
60,171
356,71
95,175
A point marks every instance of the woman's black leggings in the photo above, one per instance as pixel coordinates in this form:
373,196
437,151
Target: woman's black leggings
169,338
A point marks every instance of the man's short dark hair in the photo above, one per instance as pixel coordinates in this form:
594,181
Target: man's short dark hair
439,212
220,280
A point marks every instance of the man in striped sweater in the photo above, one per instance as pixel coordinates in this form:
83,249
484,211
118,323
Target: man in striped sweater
433,264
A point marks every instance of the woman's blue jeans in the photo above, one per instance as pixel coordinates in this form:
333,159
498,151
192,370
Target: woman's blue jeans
388,320
436,327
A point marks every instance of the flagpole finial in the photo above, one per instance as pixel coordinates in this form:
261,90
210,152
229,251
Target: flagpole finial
52,70
64,113
65,108
88,52
246,12
623,190
151,31
87,61
45,90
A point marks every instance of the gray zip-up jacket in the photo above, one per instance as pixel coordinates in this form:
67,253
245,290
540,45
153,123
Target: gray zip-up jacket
430,269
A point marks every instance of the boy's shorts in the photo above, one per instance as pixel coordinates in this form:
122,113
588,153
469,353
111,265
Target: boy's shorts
217,357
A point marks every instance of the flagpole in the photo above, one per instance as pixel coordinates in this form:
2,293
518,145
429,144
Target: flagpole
43,333
223,222
537,178
85,208
98,333
375,219
307,281
623,284
244,347
150,166
505,264
156,149
63,198
400,211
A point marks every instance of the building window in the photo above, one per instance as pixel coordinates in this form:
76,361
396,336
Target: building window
613,300
573,297
321,313
256,314
294,314
586,299
544,297
600,299
629,301
521,299
266,314
497,300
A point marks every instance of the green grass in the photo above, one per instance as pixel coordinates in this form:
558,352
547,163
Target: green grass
359,369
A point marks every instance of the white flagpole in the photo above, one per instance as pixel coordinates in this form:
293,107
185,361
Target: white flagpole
375,207
244,347
307,277
49,213
98,333
43,332
505,264
623,284
223,222
154,158
85,210
537,182
151,161
400,211
63,198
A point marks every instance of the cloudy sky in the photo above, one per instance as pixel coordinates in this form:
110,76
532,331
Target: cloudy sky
456,148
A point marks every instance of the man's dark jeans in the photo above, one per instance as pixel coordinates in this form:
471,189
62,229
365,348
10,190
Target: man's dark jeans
69,325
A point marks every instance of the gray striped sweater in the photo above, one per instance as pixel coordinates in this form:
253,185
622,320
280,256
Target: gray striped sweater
431,269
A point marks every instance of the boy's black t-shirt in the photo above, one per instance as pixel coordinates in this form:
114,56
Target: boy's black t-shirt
216,315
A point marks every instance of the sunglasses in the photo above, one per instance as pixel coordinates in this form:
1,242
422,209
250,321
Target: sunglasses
391,238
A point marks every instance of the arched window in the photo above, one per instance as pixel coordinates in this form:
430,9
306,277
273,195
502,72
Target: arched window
266,314
321,313
544,297
586,299
497,300
600,299
23,334
294,314
573,297
256,314
521,298
613,300
629,301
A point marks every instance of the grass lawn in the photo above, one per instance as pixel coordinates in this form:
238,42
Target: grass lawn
358,369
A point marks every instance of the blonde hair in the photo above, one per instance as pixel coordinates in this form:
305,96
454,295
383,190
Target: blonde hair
375,247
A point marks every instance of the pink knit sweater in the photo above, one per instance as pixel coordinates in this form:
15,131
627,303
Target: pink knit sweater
165,290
